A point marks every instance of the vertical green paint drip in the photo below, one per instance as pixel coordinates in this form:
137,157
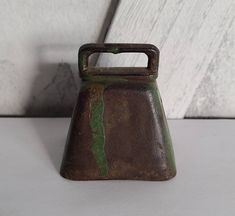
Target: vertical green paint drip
97,129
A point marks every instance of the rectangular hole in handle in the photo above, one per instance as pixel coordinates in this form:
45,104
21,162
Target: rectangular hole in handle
121,60
116,58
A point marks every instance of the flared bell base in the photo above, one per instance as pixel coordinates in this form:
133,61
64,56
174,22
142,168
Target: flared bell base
119,131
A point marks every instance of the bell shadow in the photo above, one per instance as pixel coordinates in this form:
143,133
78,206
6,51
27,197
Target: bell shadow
55,87
53,94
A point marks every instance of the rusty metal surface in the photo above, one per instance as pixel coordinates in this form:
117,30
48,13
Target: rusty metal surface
118,128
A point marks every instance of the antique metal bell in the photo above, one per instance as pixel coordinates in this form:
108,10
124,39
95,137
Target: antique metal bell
118,128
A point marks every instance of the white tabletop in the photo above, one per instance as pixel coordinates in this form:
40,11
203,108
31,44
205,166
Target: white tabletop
30,184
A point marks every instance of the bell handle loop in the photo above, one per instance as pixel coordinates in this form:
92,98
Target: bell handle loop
86,50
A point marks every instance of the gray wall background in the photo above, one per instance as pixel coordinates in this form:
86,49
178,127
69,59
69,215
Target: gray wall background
39,42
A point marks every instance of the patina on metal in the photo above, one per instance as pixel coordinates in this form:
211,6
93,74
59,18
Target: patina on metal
118,129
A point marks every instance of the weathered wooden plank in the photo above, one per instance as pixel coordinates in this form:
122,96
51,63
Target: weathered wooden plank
188,34
215,96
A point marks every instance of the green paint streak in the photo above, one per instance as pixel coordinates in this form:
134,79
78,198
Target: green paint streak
114,50
152,87
97,128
